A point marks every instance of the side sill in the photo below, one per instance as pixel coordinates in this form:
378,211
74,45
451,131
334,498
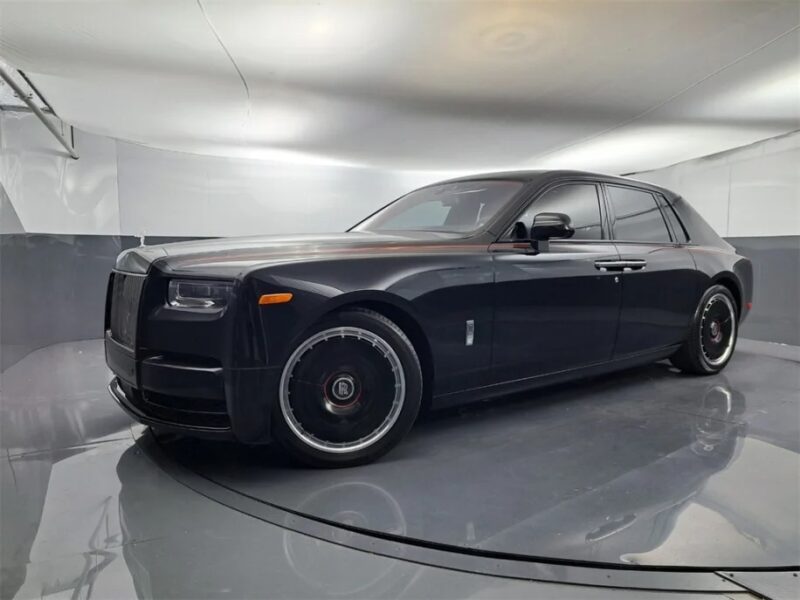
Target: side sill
520,385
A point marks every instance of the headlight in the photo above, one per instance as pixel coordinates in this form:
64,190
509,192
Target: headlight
212,295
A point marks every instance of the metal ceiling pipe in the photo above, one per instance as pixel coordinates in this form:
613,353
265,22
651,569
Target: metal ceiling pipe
38,112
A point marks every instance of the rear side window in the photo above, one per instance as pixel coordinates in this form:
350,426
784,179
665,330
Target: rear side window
674,222
579,201
637,217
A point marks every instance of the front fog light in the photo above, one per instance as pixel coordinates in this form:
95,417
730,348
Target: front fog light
198,294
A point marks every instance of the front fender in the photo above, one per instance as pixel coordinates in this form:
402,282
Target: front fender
283,325
440,292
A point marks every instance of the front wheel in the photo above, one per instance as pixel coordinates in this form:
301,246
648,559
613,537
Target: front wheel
712,334
349,392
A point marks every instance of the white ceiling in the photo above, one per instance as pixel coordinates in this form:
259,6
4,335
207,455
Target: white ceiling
615,86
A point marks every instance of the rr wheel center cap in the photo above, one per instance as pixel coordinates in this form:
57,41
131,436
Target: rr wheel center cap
343,388
716,331
342,392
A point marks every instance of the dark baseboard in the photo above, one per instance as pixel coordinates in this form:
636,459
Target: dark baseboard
776,288
53,288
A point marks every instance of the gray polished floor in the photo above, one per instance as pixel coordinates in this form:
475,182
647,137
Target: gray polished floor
647,467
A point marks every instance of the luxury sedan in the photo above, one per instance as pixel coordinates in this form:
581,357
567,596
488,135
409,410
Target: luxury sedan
458,291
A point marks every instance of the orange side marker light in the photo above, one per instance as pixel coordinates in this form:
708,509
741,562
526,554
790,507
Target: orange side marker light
281,298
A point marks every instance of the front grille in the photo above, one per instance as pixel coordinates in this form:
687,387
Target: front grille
125,293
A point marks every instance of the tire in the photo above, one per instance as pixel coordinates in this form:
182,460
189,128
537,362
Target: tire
349,392
712,334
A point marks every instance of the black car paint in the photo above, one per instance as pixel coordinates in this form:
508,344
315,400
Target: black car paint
553,310
539,317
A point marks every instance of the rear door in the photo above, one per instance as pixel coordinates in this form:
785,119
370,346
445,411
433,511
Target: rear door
556,310
657,271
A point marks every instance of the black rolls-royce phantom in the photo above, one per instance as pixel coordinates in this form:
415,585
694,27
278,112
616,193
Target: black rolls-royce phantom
461,290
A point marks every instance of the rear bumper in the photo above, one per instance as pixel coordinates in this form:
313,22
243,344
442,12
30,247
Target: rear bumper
200,400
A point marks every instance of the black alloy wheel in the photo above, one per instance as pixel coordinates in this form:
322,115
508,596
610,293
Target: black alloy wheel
712,336
350,390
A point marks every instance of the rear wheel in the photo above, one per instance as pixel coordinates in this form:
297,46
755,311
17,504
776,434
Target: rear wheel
349,392
712,337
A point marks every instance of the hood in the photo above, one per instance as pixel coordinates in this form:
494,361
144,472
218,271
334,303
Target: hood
231,256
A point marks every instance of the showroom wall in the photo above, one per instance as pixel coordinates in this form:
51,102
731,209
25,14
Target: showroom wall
751,196
63,221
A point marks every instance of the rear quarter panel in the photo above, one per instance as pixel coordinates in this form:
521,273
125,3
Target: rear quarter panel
717,265
716,259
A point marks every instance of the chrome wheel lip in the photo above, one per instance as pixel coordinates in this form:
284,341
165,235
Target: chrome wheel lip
722,358
397,402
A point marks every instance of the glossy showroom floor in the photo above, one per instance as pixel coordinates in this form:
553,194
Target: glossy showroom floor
570,492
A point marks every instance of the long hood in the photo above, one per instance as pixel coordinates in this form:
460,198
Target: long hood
231,256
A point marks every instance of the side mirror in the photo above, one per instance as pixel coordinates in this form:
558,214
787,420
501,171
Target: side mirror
551,225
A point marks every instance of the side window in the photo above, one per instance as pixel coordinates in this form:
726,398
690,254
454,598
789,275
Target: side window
580,201
637,217
672,217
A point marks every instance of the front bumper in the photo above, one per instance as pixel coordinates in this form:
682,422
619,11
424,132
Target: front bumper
199,400
132,404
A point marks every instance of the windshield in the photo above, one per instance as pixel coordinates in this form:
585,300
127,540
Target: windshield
460,207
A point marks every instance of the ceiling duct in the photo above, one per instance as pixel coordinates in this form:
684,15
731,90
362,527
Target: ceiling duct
13,96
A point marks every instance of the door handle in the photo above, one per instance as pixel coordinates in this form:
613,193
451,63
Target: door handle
608,265
634,264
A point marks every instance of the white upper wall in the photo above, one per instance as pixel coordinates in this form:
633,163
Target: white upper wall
121,188
746,192
51,192
162,192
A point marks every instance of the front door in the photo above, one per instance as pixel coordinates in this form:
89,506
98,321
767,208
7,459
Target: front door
556,309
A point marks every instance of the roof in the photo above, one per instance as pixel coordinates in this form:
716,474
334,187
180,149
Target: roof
548,175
